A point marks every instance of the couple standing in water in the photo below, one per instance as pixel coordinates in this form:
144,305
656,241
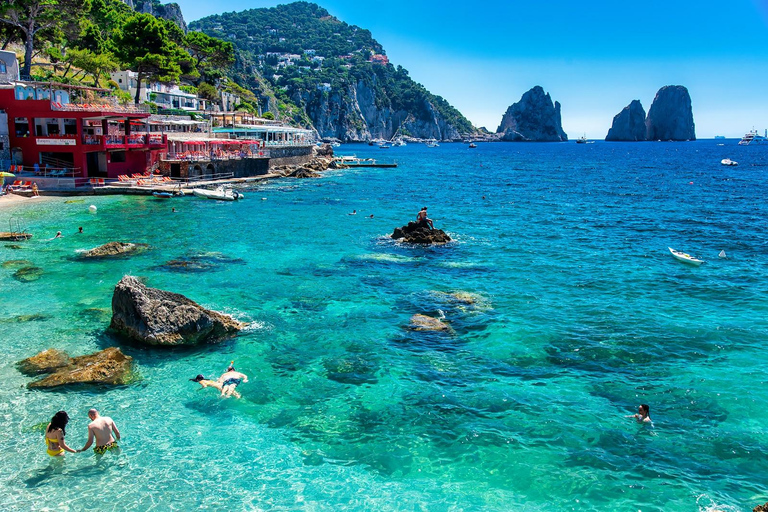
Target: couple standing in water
100,430
227,383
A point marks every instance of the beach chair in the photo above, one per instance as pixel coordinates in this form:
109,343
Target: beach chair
93,182
140,183
26,186
101,182
16,185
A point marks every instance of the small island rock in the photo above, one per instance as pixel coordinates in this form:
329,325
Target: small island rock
414,233
533,119
114,249
671,115
158,317
45,362
629,124
109,366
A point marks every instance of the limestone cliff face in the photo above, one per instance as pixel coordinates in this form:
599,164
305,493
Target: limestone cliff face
154,7
671,116
534,118
629,124
354,114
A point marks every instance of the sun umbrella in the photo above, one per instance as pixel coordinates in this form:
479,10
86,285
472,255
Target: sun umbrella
4,174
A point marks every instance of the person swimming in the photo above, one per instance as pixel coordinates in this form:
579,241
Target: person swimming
54,435
643,414
208,383
230,379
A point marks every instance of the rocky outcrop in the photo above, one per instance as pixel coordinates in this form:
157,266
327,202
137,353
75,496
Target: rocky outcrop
326,150
533,119
114,250
671,116
110,366
353,114
428,323
158,317
761,508
155,8
46,361
629,124
311,169
414,233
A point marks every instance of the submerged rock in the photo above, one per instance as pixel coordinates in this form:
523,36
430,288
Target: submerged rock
114,249
533,119
353,369
671,115
428,323
414,233
201,262
13,246
629,124
16,263
158,317
45,362
34,317
28,274
761,508
109,366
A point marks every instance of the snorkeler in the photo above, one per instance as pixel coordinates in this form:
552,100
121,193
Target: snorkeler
230,380
208,383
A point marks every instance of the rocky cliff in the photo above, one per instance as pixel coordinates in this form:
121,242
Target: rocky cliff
154,7
671,116
533,119
354,113
629,124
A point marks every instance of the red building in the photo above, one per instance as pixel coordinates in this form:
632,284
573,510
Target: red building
82,140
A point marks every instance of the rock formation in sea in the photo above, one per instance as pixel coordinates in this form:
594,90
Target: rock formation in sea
428,323
158,317
629,124
109,366
414,233
533,119
671,116
114,249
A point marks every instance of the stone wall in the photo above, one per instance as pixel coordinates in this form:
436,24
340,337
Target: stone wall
290,156
207,168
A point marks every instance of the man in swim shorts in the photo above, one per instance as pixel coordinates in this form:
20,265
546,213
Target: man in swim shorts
421,218
230,380
101,428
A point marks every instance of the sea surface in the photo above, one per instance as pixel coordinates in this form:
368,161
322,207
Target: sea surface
566,311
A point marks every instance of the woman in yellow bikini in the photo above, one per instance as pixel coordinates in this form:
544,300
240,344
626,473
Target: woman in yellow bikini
54,435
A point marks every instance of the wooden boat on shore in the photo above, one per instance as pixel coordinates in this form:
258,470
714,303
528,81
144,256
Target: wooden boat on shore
685,257
220,194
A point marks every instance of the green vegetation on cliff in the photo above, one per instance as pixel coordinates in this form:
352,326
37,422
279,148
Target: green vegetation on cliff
303,54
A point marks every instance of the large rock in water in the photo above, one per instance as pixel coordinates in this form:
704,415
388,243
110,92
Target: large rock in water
671,115
46,361
114,249
158,317
534,118
629,124
414,233
110,366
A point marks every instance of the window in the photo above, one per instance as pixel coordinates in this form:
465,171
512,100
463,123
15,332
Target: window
118,156
3,68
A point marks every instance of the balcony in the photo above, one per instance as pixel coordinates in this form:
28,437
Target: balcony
140,141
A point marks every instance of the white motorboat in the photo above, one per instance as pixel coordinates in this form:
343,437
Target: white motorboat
685,257
472,145
432,143
729,162
752,138
220,194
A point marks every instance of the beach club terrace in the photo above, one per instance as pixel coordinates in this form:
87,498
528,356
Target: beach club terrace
48,134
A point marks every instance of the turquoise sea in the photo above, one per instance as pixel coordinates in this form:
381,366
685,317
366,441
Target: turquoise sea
579,315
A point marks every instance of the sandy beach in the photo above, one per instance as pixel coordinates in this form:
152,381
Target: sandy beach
10,200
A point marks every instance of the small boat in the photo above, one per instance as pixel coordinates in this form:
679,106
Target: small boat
385,145
684,257
728,162
162,195
472,145
432,143
581,140
221,194
722,255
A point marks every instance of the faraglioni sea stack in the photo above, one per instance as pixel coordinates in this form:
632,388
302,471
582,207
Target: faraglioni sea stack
629,124
533,119
671,116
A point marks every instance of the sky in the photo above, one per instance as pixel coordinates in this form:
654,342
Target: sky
593,56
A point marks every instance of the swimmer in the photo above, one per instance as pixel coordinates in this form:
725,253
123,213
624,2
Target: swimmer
80,229
208,383
371,216
100,429
173,210
54,435
230,380
58,235
643,414
354,212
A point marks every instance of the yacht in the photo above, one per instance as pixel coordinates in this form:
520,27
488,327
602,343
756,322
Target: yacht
581,140
432,143
754,138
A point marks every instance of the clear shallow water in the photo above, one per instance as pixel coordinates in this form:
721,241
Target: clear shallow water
581,315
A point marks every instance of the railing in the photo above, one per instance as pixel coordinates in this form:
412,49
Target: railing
100,107
191,156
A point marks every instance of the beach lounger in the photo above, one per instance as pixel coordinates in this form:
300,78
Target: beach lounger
101,182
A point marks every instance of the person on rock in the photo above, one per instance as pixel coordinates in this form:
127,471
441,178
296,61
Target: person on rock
421,218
